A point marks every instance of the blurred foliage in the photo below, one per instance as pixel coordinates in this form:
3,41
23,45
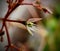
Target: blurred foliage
46,48
57,11
52,24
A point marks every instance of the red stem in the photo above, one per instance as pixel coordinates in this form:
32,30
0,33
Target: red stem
7,33
26,4
12,20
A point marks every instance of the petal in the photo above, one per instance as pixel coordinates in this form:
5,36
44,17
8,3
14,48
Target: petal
34,20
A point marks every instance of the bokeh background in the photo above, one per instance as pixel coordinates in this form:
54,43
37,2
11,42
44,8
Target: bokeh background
51,23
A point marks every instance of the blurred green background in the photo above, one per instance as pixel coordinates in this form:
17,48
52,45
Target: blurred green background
52,24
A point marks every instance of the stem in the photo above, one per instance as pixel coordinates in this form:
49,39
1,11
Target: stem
14,21
30,4
7,15
23,22
18,21
26,4
8,37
